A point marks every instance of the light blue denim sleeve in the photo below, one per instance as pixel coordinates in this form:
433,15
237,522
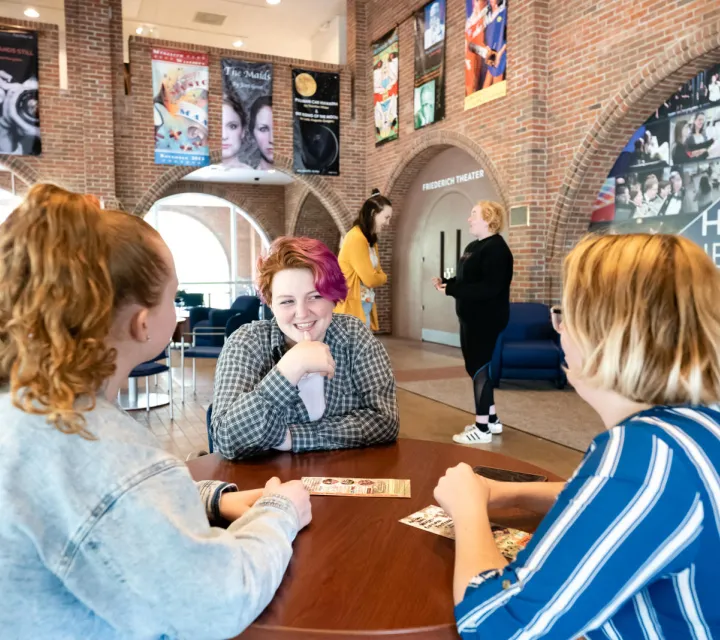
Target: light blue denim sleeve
148,562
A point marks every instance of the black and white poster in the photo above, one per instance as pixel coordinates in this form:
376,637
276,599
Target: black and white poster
316,122
19,103
429,94
247,117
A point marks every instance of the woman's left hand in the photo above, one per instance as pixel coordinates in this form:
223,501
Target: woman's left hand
462,492
234,504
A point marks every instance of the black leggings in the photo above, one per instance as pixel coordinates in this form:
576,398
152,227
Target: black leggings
484,394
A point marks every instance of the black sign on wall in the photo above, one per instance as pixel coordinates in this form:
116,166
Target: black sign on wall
316,122
19,98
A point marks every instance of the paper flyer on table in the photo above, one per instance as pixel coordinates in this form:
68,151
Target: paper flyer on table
368,487
433,519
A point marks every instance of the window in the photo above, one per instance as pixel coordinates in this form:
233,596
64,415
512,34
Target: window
210,240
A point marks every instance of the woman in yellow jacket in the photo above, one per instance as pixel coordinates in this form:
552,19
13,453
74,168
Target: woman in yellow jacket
360,261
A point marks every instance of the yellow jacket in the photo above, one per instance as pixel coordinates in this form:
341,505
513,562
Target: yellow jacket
355,263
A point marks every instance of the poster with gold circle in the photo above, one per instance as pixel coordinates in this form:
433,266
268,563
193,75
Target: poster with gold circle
316,123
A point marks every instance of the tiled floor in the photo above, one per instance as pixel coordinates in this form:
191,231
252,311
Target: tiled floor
420,417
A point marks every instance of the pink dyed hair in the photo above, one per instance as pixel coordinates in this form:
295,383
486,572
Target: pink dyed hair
290,252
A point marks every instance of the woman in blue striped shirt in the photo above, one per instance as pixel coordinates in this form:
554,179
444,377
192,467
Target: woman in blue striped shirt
630,546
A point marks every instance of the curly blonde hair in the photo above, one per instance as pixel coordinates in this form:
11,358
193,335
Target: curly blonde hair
66,266
643,311
494,214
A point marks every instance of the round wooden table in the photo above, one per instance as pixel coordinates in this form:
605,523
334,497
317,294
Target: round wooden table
356,571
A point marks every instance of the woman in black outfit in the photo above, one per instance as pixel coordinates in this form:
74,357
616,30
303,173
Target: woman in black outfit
481,290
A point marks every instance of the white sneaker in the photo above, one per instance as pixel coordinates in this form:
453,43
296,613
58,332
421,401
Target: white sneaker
473,436
495,427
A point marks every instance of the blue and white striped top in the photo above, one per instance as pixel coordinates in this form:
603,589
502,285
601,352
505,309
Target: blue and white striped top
631,548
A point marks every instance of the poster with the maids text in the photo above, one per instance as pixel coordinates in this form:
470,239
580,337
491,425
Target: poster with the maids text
386,66
180,103
485,51
247,115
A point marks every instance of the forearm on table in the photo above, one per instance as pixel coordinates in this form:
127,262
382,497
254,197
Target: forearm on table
359,428
475,550
538,497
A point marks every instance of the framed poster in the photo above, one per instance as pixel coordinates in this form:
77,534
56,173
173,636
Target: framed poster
247,115
316,122
19,94
386,67
429,90
180,89
485,51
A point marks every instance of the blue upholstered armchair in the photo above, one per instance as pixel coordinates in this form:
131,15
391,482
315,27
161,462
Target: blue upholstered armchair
529,348
213,321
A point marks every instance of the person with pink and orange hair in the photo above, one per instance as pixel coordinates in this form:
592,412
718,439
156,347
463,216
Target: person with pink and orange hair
307,379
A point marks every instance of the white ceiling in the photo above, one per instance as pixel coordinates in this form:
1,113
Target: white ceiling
286,29
218,173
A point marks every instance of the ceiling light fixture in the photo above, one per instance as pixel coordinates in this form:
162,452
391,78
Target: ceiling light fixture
139,31
273,1
31,13
271,170
238,43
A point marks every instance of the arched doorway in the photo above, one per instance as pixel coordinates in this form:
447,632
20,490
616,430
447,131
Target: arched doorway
430,235
215,245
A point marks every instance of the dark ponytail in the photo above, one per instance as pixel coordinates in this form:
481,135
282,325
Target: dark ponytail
366,216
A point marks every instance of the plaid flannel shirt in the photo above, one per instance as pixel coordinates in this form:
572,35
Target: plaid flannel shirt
254,404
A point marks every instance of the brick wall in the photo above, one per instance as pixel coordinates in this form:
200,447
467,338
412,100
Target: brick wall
581,78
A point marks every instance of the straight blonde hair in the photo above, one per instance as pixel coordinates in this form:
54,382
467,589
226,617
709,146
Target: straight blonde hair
644,311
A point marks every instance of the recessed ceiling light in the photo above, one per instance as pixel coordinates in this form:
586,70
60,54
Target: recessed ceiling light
31,13
271,170
238,43
273,1
139,31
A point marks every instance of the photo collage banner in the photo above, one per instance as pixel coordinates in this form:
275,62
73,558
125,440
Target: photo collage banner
19,97
667,178
316,122
386,66
485,51
180,90
429,96
247,118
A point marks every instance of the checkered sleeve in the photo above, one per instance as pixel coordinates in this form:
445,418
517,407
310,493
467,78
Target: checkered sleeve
248,407
375,422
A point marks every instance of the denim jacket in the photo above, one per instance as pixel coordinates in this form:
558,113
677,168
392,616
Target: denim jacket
108,538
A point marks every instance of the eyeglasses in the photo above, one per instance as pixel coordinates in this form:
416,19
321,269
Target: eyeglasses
556,318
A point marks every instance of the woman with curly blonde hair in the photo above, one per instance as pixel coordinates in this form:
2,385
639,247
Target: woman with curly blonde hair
481,290
103,534
629,547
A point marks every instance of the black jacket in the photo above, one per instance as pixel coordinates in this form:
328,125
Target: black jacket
481,287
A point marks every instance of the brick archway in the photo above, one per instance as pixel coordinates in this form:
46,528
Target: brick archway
316,184
622,115
424,149
22,169
427,147
294,216
216,189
